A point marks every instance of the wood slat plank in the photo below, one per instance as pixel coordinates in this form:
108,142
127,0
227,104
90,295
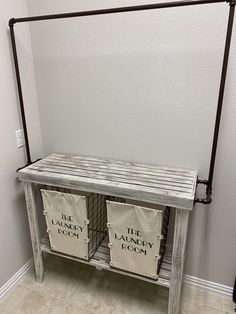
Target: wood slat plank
125,166
109,166
50,176
162,176
117,178
163,185
125,191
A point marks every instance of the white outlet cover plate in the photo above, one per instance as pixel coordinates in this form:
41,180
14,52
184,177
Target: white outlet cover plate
20,138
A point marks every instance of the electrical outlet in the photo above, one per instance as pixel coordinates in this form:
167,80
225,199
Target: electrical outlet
20,141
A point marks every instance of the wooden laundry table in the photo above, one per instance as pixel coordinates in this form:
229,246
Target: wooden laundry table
142,182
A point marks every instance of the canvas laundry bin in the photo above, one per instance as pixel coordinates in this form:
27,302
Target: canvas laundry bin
76,221
137,237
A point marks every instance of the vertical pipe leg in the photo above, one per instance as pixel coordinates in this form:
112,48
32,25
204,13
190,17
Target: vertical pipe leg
20,94
34,230
180,234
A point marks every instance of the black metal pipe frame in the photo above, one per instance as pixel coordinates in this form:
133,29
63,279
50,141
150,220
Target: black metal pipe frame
208,182
115,10
162,5
20,94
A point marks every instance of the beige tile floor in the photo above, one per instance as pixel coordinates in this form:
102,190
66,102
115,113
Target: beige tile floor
70,288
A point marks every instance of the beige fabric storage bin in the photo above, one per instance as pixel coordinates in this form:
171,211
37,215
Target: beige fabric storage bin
137,236
76,221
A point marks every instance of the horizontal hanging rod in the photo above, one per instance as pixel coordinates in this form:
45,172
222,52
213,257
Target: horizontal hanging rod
114,10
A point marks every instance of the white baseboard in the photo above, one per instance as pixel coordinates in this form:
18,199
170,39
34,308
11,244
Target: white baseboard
188,280
208,285
15,278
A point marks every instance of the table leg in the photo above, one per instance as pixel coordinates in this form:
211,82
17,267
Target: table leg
34,230
180,235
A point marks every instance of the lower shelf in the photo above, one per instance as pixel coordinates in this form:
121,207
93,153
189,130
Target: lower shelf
102,257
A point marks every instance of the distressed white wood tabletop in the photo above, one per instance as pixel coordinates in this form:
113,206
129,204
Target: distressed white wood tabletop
151,183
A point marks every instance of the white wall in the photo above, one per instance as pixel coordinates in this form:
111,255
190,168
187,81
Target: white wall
143,86
14,235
